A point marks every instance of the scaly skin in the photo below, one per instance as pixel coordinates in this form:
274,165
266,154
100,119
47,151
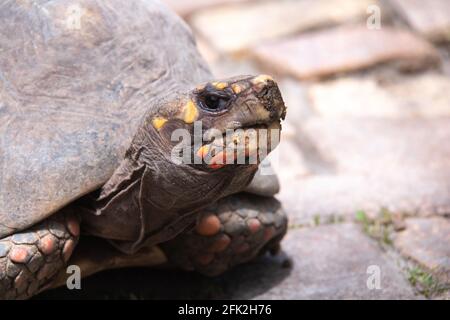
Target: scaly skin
231,232
30,259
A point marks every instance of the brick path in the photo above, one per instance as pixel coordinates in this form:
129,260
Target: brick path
365,151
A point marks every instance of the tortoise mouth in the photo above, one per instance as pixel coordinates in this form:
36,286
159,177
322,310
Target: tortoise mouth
243,146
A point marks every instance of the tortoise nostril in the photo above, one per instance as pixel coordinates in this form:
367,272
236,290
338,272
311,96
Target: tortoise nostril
264,91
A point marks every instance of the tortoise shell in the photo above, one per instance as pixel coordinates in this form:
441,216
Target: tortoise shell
75,79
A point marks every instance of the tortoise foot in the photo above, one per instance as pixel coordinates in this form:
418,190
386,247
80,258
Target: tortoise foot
31,258
235,230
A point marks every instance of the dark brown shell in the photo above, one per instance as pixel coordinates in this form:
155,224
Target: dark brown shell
75,79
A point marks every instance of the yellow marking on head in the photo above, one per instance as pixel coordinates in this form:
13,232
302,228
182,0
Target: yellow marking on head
203,151
158,122
263,78
190,112
236,88
220,85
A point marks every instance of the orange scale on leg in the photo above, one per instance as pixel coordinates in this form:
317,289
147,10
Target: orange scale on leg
208,226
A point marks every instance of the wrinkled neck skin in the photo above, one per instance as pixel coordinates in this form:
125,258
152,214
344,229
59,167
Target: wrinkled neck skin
150,199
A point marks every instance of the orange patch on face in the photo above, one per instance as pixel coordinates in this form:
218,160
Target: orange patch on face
208,226
220,159
216,166
203,151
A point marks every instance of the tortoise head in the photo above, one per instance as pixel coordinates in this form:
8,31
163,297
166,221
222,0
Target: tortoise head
207,143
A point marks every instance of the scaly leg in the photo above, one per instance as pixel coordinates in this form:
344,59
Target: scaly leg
31,258
231,232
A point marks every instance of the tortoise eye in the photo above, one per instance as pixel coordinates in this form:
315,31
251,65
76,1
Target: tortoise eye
214,102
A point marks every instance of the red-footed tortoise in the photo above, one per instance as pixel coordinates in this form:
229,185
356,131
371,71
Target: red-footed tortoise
91,94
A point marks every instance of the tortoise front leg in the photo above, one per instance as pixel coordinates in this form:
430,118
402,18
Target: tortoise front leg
231,232
31,258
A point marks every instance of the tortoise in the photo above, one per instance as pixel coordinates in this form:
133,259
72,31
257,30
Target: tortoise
91,95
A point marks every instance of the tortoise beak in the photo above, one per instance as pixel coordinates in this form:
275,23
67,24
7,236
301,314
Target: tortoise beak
269,95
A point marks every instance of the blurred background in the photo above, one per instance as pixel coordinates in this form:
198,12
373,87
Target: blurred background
364,162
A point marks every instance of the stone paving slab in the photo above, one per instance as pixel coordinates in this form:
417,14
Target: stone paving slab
408,97
366,164
353,97
431,20
427,241
346,49
327,262
233,28
331,262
